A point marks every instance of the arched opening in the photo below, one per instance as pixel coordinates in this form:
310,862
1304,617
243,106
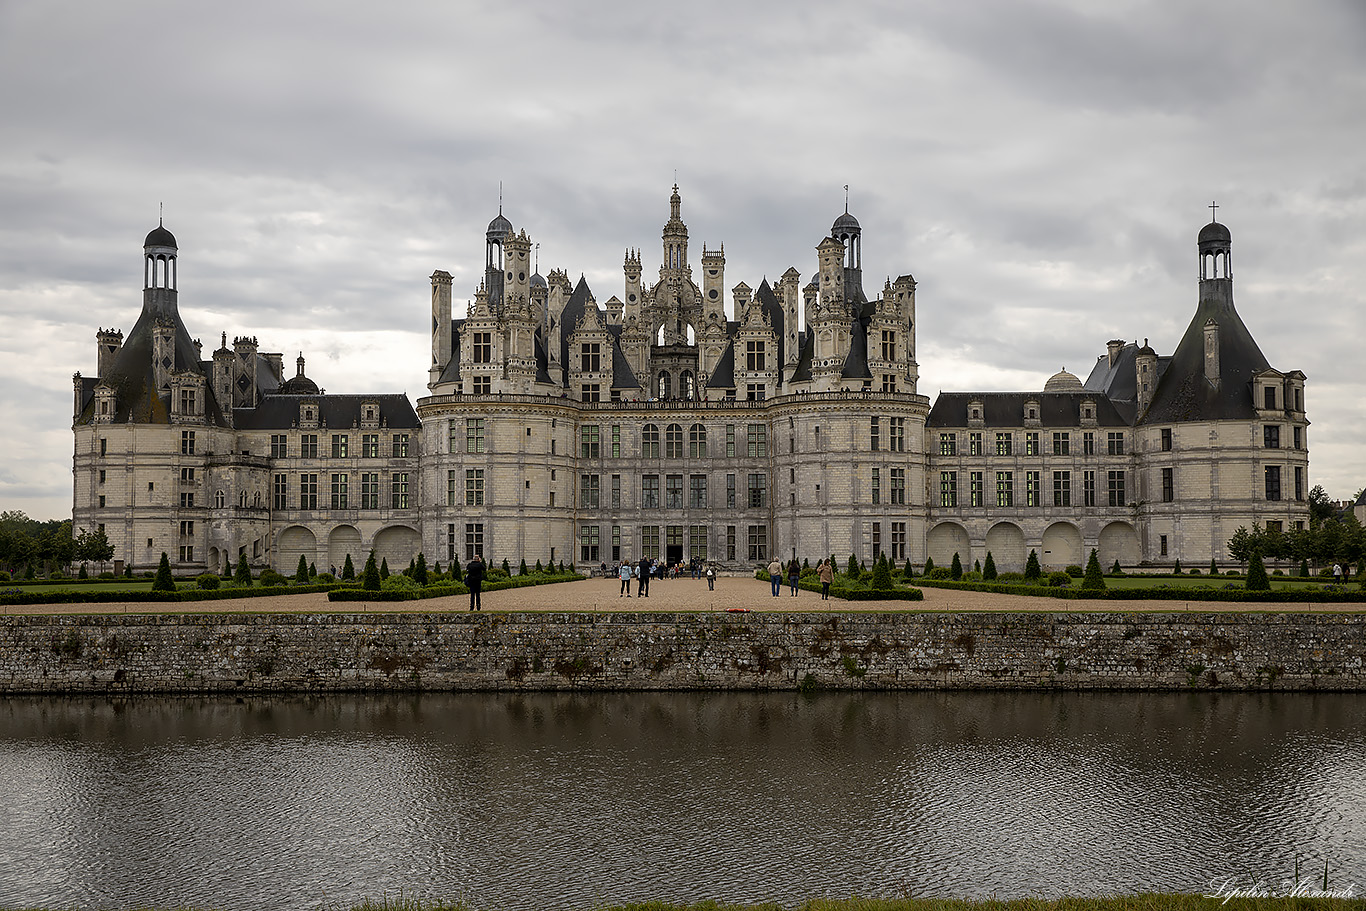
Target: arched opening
687,387
665,385
945,540
398,544
1118,541
1061,546
344,541
291,544
1007,545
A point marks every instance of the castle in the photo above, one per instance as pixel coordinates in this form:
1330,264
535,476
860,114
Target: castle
658,425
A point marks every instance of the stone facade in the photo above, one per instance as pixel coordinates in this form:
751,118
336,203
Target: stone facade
539,651
658,424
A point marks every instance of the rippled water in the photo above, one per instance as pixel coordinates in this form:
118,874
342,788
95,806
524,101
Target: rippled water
566,801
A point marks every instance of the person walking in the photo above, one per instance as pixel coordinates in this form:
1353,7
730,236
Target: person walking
1337,572
711,577
775,575
826,573
624,574
794,575
474,578
643,570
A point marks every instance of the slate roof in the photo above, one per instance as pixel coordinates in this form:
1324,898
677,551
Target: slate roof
1183,393
856,361
573,311
623,377
1006,409
773,310
723,376
801,371
337,412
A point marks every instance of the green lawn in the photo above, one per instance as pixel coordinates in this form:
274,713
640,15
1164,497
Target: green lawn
101,585
1203,581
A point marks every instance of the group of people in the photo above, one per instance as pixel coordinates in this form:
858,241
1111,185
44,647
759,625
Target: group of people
647,568
825,572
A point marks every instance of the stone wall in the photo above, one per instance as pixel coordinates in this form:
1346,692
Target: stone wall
539,651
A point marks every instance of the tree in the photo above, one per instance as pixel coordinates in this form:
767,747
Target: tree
82,574
348,570
539,567
989,568
1032,570
1094,580
882,576
852,571
1213,569
956,570
977,566
457,574
507,570
1320,506
1116,570
163,582
312,570
1256,575
383,567
420,570
301,574
929,565
243,575
370,580
521,570
1176,569
1304,569
908,571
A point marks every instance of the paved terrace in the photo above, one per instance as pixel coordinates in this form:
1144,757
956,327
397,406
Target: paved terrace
685,594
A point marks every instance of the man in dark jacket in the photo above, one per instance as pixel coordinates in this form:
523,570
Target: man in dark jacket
474,578
643,585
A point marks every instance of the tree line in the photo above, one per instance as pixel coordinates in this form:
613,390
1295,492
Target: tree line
1331,537
30,547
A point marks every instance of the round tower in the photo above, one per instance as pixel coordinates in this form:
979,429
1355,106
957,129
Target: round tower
159,252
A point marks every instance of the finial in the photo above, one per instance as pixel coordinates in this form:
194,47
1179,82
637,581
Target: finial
161,214
846,199
1212,207
500,197
538,254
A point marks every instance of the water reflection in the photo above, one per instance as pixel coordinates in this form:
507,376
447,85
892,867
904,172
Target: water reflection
565,800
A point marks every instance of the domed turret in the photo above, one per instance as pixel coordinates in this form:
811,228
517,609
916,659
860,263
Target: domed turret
1062,381
160,237
500,227
299,384
1215,233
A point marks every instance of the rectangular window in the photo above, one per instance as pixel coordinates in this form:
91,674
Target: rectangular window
1271,436
898,487
1269,397
754,356
588,543
590,392
280,491
758,490
1033,489
588,442
888,345
730,491
590,357
186,442
483,347
339,482
1114,441
888,382
758,441
369,446
369,490
697,442
1116,488
1168,486
974,444
616,543
1088,488
102,501
101,475
1088,443
1004,443
898,541
1005,488
187,529
675,540
450,542
697,491
1299,483
948,489
474,435
875,433
616,441
1162,545
450,486
187,553
649,442
474,487
483,385
877,540
649,491
308,491
474,540
187,475
896,434
399,487
186,500
730,542
649,541
730,441
1299,439
673,491
1166,439
1062,443
876,488
697,542
758,543
616,491
755,392
339,441
1273,482
308,446
673,442
401,443
278,446
1062,488
976,489
948,444
1032,443
104,446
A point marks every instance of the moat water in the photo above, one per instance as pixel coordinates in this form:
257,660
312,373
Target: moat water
571,801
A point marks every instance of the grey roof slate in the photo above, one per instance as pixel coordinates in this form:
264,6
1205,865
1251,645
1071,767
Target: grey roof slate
1006,409
723,376
337,412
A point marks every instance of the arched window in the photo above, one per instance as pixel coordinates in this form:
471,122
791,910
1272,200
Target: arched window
687,387
220,499
697,442
665,384
649,442
673,441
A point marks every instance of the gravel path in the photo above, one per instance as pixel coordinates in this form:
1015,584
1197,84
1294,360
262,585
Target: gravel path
673,595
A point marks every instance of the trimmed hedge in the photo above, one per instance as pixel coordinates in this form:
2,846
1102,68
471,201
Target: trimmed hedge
447,589
852,594
1342,596
186,594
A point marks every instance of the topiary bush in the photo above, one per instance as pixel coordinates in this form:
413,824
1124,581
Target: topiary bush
271,578
82,573
324,578
4,575
163,582
301,573
371,578
1010,577
1032,570
929,565
1059,578
956,570
938,572
400,582
420,569
1176,570
989,569
908,571
1256,575
882,576
1095,580
208,581
1075,571
348,570
852,569
242,576
1304,569
1115,570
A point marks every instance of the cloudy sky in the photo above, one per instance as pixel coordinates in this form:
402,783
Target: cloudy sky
1041,166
